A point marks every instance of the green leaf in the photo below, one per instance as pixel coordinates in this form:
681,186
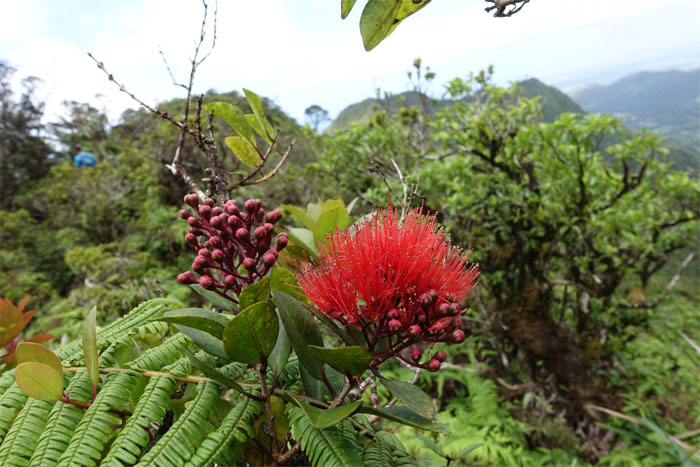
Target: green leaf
304,239
324,418
214,298
213,373
255,125
31,352
198,318
40,381
351,361
330,323
283,280
411,396
234,117
328,222
11,324
244,150
204,341
406,416
90,347
300,215
251,336
279,417
465,451
254,293
345,7
431,444
376,21
302,330
256,104
280,353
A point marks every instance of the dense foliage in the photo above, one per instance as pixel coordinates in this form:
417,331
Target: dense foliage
573,350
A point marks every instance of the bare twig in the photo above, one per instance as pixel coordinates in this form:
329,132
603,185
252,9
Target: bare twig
501,5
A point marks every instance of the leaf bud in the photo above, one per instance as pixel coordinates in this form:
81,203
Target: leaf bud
274,216
207,282
458,336
394,325
186,278
416,354
434,365
440,357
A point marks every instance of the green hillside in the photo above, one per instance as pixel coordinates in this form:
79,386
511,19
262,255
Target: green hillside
664,101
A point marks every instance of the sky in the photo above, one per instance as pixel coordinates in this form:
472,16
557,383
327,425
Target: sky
299,52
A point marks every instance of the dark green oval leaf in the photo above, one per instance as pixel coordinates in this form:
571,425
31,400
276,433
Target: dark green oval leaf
411,396
234,117
406,416
351,361
254,293
40,381
280,353
251,336
283,280
214,298
204,341
31,352
198,318
324,418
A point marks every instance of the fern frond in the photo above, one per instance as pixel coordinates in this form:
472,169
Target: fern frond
328,447
150,410
96,428
10,404
21,440
178,444
164,354
62,422
235,428
377,452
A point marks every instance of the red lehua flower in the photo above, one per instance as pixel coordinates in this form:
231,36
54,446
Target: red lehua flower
385,264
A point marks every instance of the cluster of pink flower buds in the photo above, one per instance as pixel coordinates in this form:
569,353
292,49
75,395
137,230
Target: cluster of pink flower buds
233,246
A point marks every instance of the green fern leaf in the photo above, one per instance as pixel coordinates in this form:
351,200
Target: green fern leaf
178,444
224,445
21,440
328,447
10,404
164,354
377,452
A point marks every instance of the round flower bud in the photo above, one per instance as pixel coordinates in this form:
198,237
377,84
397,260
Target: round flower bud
184,213
274,216
229,280
392,314
394,325
215,241
416,354
454,309
282,241
269,258
191,239
192,200
269,228
204,252
193,222
451,297
249,264
207,282
243,235
415,330
234,221
259,232
216,210
433,294
440,357
205,211
186,278
433,365
458,336
216,222
421,317
209,202
250,206
425,300
438,327
218,255
259,215
444,309
231,208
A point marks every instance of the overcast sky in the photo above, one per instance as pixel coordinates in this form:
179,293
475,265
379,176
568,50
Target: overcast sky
299,52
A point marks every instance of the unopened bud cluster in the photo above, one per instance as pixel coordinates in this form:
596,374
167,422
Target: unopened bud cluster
233,245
